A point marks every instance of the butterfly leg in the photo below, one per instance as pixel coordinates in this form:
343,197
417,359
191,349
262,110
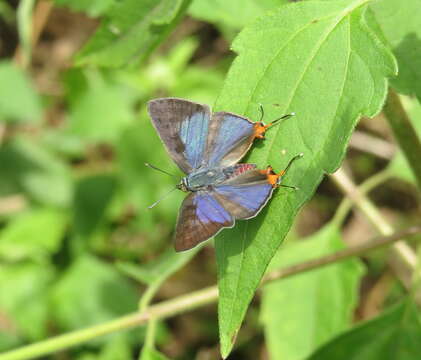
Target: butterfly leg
274,178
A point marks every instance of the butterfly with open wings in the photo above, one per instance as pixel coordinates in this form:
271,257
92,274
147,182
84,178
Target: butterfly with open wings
207,148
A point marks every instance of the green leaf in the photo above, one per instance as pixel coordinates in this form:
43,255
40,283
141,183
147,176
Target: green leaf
156,272
24,298
401,27
233,13
320,60
34,235
131,31
306,310
151,354
93,194
18,99
399,165
93,8
395,334
100,107
117,348
28,166
90,292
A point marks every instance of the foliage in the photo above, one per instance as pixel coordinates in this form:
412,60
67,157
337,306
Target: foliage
78,246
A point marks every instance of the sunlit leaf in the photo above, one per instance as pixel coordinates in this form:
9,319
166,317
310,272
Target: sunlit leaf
18,99
131,31
401,27
36,235
24,298
322,61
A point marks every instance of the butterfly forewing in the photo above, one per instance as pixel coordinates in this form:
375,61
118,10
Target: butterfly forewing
183,128
230,136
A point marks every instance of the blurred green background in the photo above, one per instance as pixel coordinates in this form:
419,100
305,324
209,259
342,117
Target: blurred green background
74,190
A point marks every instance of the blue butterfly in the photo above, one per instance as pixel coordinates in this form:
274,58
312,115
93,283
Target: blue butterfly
207,148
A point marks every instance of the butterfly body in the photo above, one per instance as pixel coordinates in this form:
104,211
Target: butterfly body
207,148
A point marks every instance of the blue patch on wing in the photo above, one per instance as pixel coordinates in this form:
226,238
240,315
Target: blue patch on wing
232,130
209,210
249,197
194,133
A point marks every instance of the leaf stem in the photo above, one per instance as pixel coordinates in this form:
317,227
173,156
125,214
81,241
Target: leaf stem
404,132
191,301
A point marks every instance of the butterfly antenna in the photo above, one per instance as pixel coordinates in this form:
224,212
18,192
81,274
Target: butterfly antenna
158,169
262,112
162,198
284,117
296,157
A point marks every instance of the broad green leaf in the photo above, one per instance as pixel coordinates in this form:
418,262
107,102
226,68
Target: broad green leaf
131,31
306,310
24,298
401,27
18,99
396,334
322,61
36,235
92,8
234,13
100,107
90,292
27,166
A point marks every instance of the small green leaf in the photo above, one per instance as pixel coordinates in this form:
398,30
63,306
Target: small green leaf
117,348
306,310
92,197
90,292
131,31
320,60
18,99
151,354
24,298
100,107
155,273
158,270
401,27
34,235
27,166
395,334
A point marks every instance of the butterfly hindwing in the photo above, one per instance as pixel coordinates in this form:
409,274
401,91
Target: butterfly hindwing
201,217
183,128
244,195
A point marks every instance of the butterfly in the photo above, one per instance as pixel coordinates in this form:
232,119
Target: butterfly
207,147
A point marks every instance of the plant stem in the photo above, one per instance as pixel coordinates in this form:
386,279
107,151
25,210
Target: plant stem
368,185
191,301
405,254
404,132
